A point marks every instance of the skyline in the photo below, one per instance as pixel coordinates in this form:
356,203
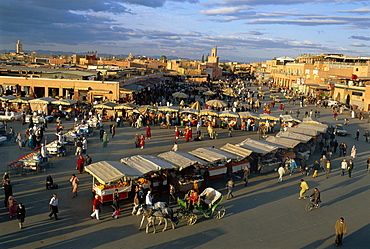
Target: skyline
243,30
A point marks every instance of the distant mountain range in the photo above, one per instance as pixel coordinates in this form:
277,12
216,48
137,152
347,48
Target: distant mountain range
169,57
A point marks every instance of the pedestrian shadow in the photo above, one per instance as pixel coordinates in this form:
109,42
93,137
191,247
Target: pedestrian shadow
358,239
318,243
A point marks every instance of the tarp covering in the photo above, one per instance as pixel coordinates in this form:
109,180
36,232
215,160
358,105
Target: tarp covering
212,155
310,120
237,150
281,141
287,118
257,146
305,131
293,135
181,159
146,163
108,105
46,100
111,171
319,127
268,116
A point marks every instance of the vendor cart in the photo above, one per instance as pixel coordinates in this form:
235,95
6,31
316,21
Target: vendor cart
109,176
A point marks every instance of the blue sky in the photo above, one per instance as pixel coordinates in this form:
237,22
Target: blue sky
243,30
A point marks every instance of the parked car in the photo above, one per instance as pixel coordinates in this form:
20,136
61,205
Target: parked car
332,103
339,130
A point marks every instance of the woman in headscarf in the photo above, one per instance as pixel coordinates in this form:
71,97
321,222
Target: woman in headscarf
12,206
353,152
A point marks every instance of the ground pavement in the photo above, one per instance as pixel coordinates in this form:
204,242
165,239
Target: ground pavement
263,215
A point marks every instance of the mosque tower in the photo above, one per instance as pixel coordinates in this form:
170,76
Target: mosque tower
18,47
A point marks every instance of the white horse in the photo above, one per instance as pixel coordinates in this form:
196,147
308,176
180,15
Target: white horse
152,214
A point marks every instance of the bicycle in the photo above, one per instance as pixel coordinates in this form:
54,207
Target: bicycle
311,205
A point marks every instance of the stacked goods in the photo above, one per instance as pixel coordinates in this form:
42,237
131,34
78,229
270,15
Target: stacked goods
118,185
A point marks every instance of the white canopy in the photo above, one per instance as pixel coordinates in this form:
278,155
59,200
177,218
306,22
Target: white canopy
242,152
287,118
304,131
286,142
181,159
213,155
257,146
111,171
293,135
318,127
146,163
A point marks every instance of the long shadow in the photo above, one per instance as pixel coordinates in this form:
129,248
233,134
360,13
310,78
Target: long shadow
356,240
191,241
317,243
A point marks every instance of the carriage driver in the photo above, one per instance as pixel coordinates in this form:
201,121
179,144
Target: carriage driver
191,199
209,196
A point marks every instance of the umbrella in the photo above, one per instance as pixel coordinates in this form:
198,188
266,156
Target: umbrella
228,114
268,116
209,93
216,103
8,98
125,106
189,110
182,102
196,106
227,90
231,94
149,107
208,112
201,88
180,95
168,109
64,102
108,105
248,115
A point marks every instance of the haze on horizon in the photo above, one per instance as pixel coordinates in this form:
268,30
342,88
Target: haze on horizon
243,30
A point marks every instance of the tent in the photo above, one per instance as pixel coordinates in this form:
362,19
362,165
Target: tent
248,115
283,142
287,118
189,110
8,98
228,114
41,104
208,112
304,131
181,159
146,163
293,135
318,127
168,109
46,100
268,116
257,146
310,120
111,171
237,150
213,155
108,105
64,102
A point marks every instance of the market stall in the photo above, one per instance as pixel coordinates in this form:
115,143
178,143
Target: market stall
248,121
111,175
42,104
238,166
304,131
266,161
218,160
153,168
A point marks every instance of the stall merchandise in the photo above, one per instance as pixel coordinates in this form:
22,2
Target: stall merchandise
54,148
185,182
111,175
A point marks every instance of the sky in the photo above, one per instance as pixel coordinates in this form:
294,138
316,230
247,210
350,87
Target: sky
242,30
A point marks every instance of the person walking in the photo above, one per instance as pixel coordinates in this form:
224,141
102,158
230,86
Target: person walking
350,167
172,194
84,145
8,191
80,164
246,175
335,146
12,206
142,141
303,189
19,140
101,133
88,160
177,133
136,141
343,167
293,165
149,199
316,168
148,132
74,182
357,134
353,152
116,207
21,214
113,130
328,169
368,164
367,135
105,140
230,186
53,205
281,172
78,147
340,230
95,208
175,147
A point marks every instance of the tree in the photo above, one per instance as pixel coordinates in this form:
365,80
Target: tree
163,58
202,58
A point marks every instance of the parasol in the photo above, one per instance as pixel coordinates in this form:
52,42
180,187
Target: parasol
180,95
209,93
248,115
208,112
268,116
228,114
168,109
196,106
216,103
189,110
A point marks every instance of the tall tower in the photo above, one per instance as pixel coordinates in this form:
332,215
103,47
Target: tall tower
18,47
213,58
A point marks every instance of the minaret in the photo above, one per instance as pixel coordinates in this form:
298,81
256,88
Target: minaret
213,58
18,47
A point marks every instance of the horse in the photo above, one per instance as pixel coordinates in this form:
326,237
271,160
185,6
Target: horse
151,214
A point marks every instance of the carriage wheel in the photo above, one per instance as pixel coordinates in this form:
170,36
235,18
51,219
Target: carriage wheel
192,218
219,212
309,207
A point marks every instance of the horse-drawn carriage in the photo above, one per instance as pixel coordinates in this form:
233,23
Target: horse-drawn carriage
208,204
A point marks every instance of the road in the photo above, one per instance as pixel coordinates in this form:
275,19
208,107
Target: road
263,215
